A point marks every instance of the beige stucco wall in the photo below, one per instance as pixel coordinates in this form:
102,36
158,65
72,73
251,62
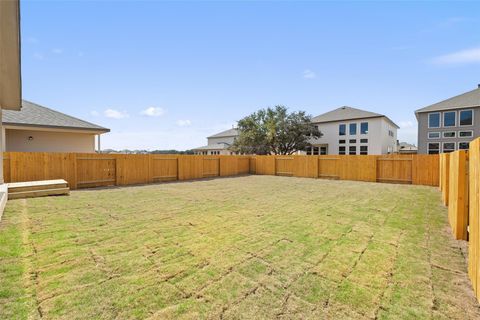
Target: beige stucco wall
47,141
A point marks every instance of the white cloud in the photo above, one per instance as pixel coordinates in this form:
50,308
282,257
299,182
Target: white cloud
94,113
153,112
406,124
32,40
459,57
38,56
184,123
309,74
115,114
408,131
57,51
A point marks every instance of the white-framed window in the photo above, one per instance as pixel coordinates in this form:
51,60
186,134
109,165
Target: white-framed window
449,134
448,147
352,141
315,151
465,134
449,119
363,150
341,150
434,120
352,150
341,141
352,129
463,145
433,148
465,118
363,140
434,135
364,128
308,150
323,150
342,129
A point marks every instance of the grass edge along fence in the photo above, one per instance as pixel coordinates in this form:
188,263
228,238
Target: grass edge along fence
460,187
83,170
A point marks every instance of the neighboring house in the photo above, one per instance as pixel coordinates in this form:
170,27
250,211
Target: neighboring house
39,129
219,143
353,131
449,125
407,148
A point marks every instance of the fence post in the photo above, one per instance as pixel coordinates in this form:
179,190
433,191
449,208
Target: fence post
458,194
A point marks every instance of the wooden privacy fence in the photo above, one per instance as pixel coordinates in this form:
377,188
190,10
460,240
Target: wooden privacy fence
82,170
460,185
473,216
411,169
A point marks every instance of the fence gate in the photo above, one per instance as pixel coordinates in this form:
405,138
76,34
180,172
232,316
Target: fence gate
211,167
393,169
93,172
328,168
284,166
165,169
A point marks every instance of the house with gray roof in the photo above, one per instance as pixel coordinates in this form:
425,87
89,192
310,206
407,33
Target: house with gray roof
219,144
36,128
450,124
353,131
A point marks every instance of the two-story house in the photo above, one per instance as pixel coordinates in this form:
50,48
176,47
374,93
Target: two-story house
449,125
353,131
219,143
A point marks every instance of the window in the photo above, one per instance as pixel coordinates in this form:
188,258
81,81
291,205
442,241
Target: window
465,133
434,135
323,150
353,129
448,146
463,146
352,141
364,128
390,133
433,148
352,150
315,151
308,150
341,129
341,141
363,150
466,118
434,120
341,150
449,119
363,140
449,134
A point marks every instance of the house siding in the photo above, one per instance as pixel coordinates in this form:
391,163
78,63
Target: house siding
423,129
48,141
379,142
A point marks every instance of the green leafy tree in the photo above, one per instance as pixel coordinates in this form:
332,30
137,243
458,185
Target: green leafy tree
275,131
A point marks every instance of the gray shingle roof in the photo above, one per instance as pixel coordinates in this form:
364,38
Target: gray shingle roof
34,115
214,146
347,113
467,99
227,133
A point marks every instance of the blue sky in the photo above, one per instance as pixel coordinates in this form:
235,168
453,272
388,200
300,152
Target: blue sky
165,75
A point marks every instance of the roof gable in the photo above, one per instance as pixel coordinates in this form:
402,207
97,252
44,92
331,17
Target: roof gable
347,113
227,133
33,114
464,100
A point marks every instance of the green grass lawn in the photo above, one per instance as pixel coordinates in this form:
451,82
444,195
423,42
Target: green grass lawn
247,247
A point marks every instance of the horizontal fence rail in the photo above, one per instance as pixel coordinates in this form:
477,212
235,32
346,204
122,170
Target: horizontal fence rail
83,170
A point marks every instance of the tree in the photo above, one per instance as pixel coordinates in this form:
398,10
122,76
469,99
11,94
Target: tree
275,131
